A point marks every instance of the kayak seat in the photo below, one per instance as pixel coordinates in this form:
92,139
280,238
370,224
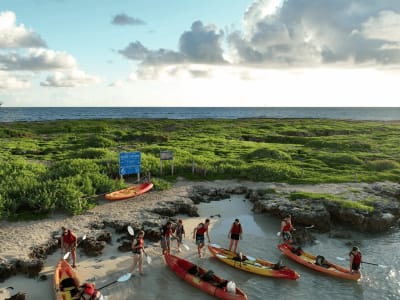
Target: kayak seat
193,271
297,251
68,285
278,266
208,276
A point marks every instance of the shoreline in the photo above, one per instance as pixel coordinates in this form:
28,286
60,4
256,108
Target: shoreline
18,238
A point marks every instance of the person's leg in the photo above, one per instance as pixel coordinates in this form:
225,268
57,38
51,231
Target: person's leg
73,253
135,262
141,263
230,244
235,245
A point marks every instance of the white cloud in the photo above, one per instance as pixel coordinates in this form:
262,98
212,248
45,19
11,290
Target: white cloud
13,36
73,78
8,81
37,59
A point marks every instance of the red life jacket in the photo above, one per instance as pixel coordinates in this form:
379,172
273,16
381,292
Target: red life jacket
201,231
90,292
288,226
236,228
357,258
69,238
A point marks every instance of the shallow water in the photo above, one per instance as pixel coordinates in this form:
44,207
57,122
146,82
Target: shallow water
260,240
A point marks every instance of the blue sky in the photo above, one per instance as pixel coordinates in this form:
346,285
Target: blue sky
199,53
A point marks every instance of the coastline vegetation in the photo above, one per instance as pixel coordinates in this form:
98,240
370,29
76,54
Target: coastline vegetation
63,165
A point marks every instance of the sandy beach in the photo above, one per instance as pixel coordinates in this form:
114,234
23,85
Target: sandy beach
18,238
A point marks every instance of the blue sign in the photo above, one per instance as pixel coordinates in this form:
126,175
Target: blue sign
129,163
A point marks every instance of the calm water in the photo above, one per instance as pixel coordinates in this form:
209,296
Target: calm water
11,114
260,240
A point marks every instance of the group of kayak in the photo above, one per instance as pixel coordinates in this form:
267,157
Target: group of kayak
210,283
68,287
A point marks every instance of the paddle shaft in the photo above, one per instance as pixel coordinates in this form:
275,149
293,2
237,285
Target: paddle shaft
108,284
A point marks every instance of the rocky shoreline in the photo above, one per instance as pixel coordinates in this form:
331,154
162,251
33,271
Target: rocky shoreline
25,245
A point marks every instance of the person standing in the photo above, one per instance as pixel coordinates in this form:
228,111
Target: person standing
198,235
166,234
69,242
286,229
355,260
234,234
137,250
179,233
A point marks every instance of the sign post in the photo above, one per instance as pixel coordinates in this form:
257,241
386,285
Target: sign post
166,155
129,163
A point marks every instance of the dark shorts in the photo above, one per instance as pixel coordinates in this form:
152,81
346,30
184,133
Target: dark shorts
235,236
179,238
286,235
355,267
199,239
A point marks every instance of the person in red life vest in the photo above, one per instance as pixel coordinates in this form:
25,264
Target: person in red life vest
235,234
88,292
198,235
166,235
286,229
355,260
68,244
137,250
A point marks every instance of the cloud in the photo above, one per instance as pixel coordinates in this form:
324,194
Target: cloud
8,81
202,44
73,78
314,33
37,60
13,36
124,19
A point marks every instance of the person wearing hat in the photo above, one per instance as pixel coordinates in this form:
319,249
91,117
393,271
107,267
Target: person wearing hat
355,260
235,234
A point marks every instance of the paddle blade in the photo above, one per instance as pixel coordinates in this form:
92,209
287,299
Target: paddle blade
278,233
130,230
340,258
125,277
148,259
84,237
66,255
186,247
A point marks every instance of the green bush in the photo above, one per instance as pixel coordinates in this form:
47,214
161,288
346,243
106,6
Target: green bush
338,159
382,165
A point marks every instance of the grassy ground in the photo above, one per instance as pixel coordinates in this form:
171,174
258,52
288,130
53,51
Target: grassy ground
278,150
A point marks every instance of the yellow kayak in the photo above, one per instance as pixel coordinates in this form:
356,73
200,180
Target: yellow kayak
252,265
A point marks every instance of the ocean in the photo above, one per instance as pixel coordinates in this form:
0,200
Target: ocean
28,114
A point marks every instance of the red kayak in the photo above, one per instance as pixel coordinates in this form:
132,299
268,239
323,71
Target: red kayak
311,261
204,280
132,191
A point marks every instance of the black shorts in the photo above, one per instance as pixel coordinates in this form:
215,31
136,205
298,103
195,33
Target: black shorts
355,267
235,236
287,236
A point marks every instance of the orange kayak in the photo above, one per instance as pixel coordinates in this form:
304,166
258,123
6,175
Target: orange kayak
132,191
204,280
66,281
252,265
310,261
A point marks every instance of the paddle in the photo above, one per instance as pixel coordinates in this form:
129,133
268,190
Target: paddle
123,278
132,233
363,262
66,255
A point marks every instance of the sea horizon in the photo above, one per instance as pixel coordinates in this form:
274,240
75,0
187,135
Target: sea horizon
28,114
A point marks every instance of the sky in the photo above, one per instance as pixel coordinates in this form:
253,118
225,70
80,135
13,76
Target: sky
242,53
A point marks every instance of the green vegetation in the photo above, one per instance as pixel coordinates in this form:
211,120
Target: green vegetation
48,166
345,203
